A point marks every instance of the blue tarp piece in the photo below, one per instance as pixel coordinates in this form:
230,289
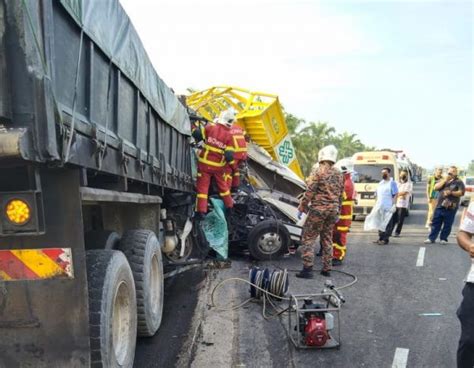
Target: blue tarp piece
214,227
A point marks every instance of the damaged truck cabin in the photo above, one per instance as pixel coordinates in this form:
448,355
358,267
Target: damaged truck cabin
95,167
264,219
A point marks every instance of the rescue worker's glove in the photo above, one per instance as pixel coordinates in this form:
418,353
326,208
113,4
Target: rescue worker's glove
229,156
299,215
197,134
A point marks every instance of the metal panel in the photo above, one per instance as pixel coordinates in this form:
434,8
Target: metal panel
5,108
104,195
45,323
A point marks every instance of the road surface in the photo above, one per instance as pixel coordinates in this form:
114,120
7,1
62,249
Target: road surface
401,312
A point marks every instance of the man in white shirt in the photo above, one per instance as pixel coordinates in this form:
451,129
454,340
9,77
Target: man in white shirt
387,191
465,354
405,190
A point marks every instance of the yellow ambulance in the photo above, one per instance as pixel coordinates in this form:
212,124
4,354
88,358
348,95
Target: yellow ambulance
367,175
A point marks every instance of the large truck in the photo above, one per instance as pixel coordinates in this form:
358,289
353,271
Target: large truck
95,164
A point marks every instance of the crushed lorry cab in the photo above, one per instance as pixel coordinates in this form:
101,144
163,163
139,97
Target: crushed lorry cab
260,114
367,175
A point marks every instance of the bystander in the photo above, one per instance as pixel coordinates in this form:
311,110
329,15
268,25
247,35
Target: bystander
465,354
451,189
405,190
432,194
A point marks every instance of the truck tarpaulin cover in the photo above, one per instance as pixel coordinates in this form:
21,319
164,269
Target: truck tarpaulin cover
108,25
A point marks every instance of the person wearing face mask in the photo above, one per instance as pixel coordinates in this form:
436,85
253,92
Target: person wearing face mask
432,194
405,190
451,189
387,191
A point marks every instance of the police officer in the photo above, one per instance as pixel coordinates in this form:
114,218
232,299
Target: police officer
321,201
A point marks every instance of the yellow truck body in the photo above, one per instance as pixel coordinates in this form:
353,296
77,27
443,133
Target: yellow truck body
259,113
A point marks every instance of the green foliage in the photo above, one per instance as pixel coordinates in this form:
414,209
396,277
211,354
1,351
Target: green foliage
309,137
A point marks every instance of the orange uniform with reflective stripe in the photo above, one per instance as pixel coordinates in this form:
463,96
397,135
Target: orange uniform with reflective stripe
341,228
211,164
232,173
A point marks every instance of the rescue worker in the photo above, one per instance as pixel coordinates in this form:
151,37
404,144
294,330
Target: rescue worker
232,169
216,150
321,202
339,238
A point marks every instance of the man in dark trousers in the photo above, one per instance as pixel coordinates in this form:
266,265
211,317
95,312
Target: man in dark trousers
465,355
451,189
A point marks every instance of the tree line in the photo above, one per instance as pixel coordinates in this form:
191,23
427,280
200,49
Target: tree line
309,137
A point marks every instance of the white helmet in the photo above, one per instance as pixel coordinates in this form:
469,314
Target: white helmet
328,153
227,117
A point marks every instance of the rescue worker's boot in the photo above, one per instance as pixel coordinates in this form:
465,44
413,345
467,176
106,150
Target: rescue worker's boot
199,216
336,262
305,273
325,273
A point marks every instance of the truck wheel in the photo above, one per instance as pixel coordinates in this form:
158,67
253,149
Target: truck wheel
112,309
101,239
143,251
268,240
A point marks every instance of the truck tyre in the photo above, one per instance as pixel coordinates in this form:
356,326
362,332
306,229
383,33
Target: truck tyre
112,309
101,239
268,240
143,251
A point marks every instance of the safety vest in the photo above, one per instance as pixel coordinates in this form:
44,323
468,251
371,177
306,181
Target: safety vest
345,217
239,142
433,194
217,141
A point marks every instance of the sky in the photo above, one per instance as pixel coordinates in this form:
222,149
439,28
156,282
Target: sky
396,73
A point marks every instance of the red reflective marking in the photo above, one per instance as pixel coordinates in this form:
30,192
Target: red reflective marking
54,254
14,268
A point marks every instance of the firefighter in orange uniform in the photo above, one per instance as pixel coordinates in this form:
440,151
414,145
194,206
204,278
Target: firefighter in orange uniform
232,169
341,228
216,151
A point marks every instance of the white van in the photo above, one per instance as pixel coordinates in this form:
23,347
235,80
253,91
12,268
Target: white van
367,175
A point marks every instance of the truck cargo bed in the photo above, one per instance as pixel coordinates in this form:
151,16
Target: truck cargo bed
77,87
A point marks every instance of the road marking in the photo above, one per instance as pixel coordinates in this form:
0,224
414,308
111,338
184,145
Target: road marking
421,257
400,359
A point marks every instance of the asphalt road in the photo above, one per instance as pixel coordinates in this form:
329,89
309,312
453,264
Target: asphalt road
163,349
394,305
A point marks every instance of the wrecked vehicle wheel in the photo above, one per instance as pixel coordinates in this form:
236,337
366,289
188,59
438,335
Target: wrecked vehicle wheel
268,240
